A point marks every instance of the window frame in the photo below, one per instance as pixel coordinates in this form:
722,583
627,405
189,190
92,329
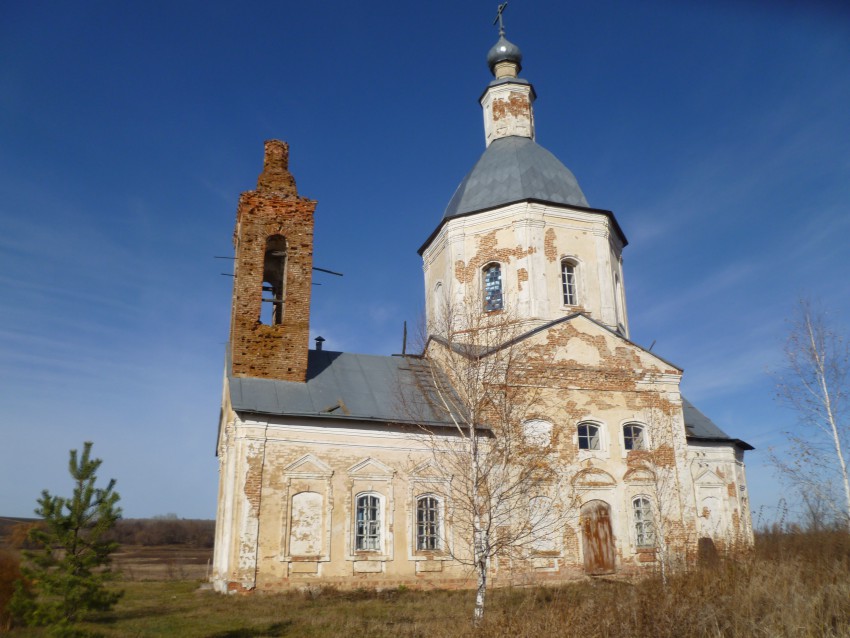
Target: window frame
569,288
644,437
492,305
599,438
435,533
378,535
643,522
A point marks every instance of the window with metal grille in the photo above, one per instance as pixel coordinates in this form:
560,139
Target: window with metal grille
634,437
492,287
427,523
368,532
644,526
568,283
588,436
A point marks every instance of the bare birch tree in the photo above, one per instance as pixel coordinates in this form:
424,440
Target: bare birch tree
665,529
814,384
496,464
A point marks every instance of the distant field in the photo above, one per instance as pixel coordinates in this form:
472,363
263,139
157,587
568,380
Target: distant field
162,563
791,585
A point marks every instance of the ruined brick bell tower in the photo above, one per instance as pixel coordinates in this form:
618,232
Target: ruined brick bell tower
273,241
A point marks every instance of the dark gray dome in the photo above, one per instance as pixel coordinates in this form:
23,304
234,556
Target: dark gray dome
514,169
504,51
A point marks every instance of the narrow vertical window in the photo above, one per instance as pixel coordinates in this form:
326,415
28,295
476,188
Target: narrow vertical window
644,527
568,283
618,303
428,523
274,281
634,437
368,523
492,287
438,303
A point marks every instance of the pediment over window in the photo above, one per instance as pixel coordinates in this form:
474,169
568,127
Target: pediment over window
639,475
308,465
370,467
707,477
593,477
428,469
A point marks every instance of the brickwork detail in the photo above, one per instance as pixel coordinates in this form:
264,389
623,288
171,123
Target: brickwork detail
272,351
517,105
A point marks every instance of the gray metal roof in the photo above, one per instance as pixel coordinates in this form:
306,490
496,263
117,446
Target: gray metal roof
396,389
514,169
700,427
342,385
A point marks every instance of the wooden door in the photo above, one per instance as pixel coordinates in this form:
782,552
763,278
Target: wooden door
597,539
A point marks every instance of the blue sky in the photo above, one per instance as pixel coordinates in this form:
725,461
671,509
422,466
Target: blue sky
718,133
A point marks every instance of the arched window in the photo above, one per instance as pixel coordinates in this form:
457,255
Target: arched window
492,287
428,523
367,535
438,305
634,437
644,525
589,436
568,282
274,281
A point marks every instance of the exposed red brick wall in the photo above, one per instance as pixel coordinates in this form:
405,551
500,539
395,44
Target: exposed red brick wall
272,351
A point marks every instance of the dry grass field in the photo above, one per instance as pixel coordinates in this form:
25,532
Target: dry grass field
172,562
791,585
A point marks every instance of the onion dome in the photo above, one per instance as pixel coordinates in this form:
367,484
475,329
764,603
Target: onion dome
504,51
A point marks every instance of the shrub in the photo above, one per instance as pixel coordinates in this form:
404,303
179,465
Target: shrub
10,572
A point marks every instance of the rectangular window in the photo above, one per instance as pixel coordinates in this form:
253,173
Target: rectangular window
568,283
368,533
644,528
427,524
493,288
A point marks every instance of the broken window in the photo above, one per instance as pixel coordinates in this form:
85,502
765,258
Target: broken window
644,525
589,436
568,282
634,437
492,287
274,281
428,517
368,523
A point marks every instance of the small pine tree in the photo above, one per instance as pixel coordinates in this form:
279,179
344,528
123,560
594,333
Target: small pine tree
66,576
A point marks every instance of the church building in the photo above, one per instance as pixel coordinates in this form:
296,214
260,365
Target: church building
348,469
